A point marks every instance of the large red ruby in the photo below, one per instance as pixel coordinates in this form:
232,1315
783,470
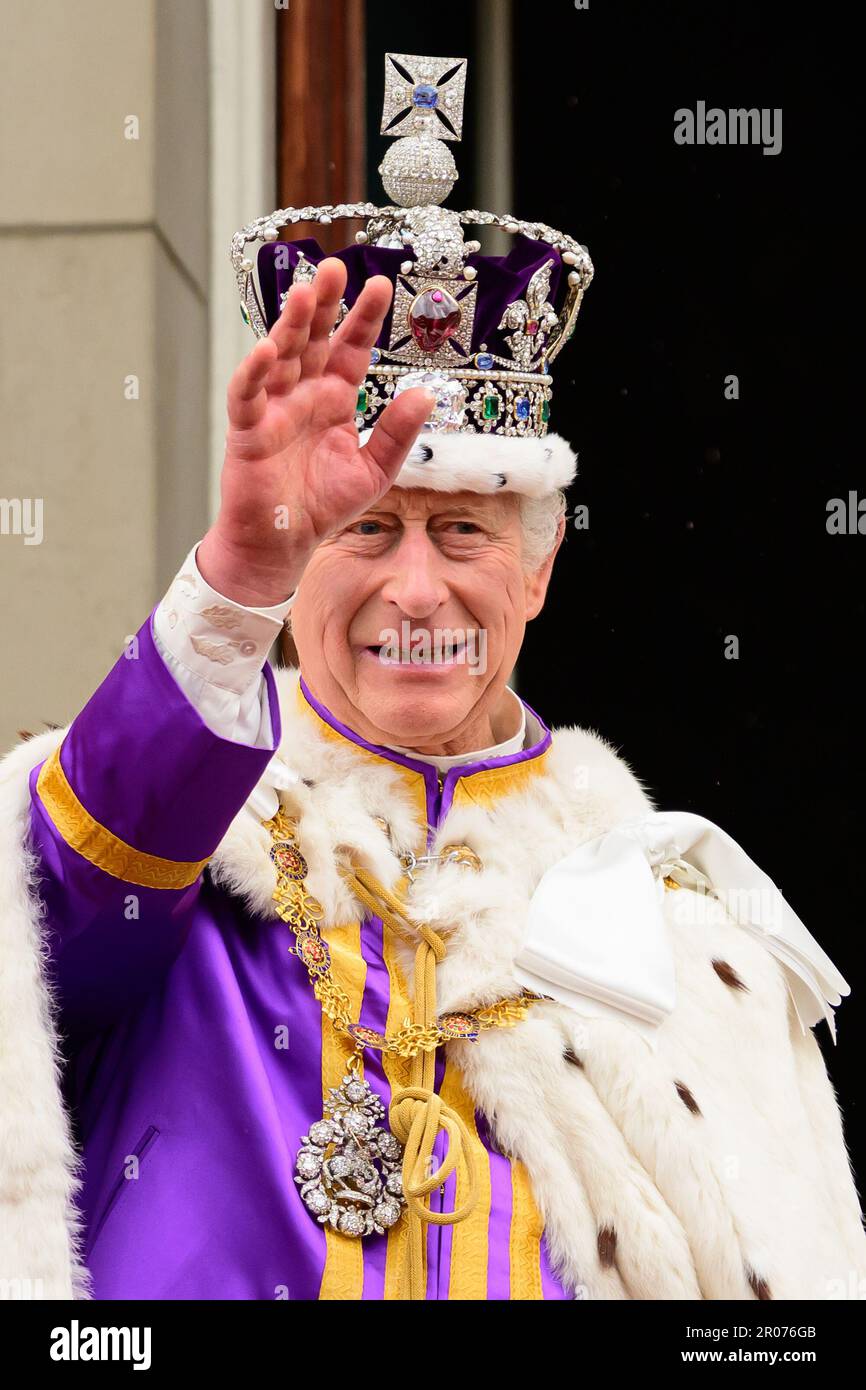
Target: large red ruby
433,317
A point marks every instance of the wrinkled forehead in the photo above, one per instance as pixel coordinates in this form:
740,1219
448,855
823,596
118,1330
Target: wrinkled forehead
419,502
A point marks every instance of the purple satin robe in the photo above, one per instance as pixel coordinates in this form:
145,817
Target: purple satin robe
169,999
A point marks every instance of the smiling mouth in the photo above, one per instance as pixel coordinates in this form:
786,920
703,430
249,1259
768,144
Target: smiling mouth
443,655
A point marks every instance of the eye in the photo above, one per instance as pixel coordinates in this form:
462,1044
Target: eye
468,527
375,527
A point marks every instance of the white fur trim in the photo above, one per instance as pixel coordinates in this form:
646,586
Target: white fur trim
460,461
40,1227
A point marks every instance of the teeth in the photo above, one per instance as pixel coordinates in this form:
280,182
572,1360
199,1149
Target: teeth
412,656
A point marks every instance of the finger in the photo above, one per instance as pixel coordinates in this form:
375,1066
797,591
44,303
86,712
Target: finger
329,284
351,343
292,329
397,428
291,333
246,396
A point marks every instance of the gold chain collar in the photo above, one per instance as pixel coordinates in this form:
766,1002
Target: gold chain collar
303,912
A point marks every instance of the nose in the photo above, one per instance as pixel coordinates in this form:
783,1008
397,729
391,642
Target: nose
415,583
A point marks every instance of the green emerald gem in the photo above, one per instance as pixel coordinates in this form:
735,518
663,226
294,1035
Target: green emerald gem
491,407
245,316
545,410
361,404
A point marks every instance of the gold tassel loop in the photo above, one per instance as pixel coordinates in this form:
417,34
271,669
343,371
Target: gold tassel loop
416,1112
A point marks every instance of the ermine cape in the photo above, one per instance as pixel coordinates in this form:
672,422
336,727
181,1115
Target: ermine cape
707,1163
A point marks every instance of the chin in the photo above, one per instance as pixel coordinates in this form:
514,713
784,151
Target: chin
412,706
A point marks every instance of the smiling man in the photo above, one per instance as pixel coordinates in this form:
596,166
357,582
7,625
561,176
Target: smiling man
369,985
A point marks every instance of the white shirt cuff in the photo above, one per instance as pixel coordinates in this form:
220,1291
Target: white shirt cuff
216,650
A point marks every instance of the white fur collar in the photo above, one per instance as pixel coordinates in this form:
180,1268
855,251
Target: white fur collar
338,791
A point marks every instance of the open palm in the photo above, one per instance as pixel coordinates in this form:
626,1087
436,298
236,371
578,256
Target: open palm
293,470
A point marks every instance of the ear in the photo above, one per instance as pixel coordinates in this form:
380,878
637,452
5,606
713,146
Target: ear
537,582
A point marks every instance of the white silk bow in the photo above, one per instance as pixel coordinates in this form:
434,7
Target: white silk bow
597,940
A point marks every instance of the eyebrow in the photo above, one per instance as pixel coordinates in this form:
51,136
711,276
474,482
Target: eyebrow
463,509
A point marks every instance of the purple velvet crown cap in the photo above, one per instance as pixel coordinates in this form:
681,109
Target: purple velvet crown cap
500,280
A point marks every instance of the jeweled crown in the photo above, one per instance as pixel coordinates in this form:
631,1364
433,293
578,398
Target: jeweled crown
481,330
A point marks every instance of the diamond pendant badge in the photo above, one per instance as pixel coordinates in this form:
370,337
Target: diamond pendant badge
348,1166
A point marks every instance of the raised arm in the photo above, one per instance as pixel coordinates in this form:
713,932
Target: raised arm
127,811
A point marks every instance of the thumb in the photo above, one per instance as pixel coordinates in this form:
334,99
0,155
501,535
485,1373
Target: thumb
397,428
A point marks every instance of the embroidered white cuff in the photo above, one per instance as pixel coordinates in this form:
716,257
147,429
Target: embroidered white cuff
216,650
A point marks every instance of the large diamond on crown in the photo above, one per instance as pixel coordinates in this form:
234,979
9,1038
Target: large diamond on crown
448,412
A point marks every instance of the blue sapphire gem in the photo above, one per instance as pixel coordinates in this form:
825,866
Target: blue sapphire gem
424,95
521,407
375,354
484,360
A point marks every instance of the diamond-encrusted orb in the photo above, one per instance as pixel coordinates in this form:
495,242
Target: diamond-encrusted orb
340,1166
322,1132
417,170
355,1091
448,412
394,1184
434,317
318,1201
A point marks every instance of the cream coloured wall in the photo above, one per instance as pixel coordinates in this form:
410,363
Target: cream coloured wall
104,276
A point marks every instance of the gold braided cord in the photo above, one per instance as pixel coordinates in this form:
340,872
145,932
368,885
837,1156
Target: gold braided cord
416,1113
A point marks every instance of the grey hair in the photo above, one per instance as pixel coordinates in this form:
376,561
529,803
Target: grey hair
539,519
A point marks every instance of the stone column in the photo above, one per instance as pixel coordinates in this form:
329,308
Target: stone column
104,249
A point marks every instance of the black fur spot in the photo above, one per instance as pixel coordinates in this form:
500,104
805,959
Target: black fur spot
687,1098
760,1288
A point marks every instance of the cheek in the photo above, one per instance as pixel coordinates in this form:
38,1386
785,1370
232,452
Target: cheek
327,601
497,593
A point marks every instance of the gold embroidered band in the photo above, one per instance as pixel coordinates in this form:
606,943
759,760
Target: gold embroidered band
98,845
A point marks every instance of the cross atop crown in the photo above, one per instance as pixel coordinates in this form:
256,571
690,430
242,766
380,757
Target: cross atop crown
423,96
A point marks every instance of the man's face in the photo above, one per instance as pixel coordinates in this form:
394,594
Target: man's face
408,623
